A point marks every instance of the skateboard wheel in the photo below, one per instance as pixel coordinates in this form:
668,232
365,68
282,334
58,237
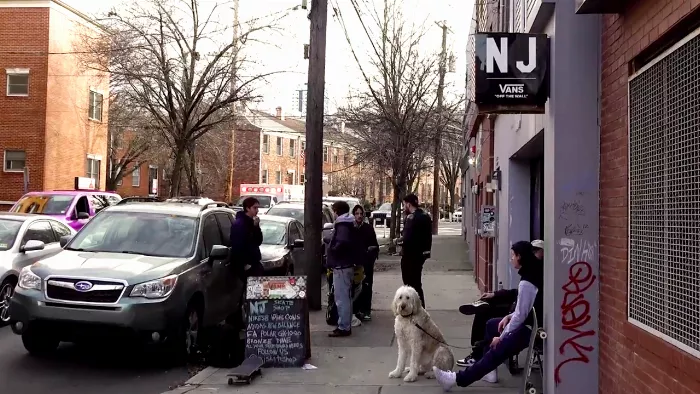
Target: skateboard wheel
543,335
532,390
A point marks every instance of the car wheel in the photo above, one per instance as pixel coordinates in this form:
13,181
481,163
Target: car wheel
39,342
183,345
7,289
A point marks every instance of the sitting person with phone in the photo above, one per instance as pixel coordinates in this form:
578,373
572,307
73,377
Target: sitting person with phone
510,335
491,305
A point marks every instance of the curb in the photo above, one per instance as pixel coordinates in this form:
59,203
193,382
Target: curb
194,382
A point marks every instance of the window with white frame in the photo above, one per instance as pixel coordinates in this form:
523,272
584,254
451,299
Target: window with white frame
325,154
278,177
92,168
266,143
95,108
664,196
279,146
302,179
335,155
136,177
292,148
17,82
15,160
263,176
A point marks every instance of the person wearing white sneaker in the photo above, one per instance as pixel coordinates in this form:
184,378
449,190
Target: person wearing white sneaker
510,335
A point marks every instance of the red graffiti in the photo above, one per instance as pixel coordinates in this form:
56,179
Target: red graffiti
575,313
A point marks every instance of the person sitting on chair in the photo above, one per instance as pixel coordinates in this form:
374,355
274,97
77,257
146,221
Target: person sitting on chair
510,335
490,306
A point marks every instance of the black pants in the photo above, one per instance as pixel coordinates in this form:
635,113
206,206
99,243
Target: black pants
364,301
412,273
494,311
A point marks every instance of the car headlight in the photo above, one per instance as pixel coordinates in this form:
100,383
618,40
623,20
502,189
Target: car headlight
158,288
28,280
273,263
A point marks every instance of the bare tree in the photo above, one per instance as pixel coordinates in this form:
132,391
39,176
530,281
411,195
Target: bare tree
390,114
131,140
450,157
172,59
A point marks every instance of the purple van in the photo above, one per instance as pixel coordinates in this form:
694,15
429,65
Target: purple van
73,207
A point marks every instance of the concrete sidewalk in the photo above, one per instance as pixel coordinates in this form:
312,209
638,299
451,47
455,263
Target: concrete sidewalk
360,364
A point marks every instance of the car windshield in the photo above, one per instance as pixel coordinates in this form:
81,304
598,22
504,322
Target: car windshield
147,234
385,207
287,212
44,204
274,233
264,201
8,233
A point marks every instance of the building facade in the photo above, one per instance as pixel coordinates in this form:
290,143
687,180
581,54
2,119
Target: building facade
53,114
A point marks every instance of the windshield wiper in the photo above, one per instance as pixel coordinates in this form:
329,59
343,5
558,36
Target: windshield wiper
76,249
134,252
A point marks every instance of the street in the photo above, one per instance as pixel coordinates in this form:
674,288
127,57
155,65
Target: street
109,369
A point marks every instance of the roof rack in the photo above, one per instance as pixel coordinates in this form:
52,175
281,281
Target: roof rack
216,204
137,199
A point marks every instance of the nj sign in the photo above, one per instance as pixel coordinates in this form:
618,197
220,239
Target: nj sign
512,72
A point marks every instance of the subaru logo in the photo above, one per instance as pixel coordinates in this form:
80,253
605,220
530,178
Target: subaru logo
83,286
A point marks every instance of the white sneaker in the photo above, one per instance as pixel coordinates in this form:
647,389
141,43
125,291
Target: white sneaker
355,321
447,379
491,377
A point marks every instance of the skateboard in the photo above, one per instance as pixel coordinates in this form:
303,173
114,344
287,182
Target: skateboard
533,357
247,371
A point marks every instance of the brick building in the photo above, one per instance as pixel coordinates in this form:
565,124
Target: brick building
649,198
53,117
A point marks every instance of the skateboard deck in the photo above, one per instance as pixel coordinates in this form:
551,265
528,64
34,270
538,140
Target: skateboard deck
527,386
247,371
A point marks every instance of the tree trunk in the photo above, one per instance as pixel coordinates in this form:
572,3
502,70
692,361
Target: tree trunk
176,174
396,214
192,175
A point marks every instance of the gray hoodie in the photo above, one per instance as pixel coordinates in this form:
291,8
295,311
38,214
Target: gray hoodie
342,244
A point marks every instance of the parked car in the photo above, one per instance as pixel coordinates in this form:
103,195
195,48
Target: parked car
352,201
457,215
381,215
296,211
73,207
25,239
158,272
191,200
283,244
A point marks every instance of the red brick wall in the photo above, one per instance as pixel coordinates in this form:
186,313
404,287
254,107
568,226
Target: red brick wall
247,158
23,119
143,189
631,360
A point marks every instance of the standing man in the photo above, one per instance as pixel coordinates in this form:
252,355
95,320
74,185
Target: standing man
417,241
342,256
246,238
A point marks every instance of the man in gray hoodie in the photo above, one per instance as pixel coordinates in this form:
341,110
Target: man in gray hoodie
342,255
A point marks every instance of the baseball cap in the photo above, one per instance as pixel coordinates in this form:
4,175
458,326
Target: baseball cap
538,243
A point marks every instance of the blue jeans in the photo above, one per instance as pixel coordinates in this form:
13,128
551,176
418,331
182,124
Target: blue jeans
510,344
342,285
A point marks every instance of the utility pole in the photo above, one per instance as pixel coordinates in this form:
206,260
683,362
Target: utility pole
234,69
438,139
313,252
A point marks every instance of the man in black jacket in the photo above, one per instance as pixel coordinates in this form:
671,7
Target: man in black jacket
246,238
417,241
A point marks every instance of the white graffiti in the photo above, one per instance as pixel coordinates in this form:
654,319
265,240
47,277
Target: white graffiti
575,251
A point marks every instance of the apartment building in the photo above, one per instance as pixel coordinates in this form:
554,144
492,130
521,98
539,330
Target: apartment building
53,114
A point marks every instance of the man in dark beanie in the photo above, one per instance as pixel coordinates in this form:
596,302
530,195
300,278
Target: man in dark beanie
417,241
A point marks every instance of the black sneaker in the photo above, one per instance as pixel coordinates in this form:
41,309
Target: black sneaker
473,308
337,333
364,316
466,362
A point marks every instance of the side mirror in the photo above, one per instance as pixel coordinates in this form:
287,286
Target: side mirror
298,243
218,252
63,241
83,216
32,245
328,226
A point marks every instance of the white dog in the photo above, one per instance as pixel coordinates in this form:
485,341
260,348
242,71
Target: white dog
420,349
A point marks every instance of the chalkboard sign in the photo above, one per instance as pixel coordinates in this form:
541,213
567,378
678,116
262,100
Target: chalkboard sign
278,321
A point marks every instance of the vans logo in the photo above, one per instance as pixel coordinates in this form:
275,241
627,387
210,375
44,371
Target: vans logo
512,88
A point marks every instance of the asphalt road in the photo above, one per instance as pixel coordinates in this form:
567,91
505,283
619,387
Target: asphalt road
95,369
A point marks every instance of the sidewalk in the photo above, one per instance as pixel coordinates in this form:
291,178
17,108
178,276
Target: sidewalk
360,364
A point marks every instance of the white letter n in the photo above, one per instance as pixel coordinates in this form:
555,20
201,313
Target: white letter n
499,55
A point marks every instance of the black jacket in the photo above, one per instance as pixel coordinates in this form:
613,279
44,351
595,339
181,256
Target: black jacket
417,234
368,238
246,239
510,296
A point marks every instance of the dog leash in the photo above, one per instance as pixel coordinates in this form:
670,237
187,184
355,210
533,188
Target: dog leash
439,341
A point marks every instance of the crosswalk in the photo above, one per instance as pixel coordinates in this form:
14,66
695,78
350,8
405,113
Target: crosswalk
449,231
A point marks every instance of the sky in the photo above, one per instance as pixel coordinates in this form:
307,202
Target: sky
282,50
